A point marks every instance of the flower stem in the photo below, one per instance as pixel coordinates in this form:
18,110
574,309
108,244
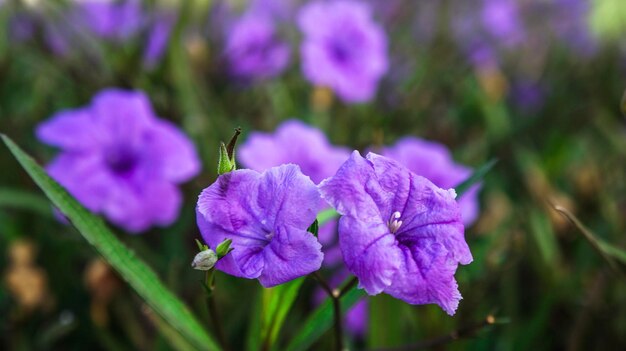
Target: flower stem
334,296
212,307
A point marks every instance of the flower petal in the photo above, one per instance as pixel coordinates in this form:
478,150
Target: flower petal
370,252
287,197
292,253
72,130
437,285
172,152
354,190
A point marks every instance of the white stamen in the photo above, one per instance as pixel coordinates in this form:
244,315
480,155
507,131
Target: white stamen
394,223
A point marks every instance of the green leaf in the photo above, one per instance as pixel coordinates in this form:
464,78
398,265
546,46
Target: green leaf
477,176
609,252
136,273
276,303
321,320
22,200
325,216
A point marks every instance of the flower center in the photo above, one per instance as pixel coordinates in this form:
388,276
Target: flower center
120,160
394,223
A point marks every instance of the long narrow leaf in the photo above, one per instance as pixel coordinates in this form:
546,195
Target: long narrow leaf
477,176
321,320
609,252
276,303
138,275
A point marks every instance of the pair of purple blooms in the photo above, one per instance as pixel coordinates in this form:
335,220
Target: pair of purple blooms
343,48
399,233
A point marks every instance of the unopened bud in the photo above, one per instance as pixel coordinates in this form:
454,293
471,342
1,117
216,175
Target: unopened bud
226,162
224,248
204,260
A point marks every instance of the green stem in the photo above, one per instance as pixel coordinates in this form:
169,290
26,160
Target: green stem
212,306
334,296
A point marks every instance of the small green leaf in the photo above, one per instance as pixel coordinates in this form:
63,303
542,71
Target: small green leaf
477,176
130,267
201,246
321,320
277,301
314,228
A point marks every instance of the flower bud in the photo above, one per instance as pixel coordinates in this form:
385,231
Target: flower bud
226,162
224,248
204,260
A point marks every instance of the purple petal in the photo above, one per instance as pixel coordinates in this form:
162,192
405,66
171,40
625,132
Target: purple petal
291,254
287,197
70,130
417,286
83,175
172,151
370,252
123,115
293,142
354,190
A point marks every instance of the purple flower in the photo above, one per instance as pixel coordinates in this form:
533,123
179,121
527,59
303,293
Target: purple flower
295,142
399,233
501,18
111,20
343,48
266,215
158,38
434,161
120,160
253,49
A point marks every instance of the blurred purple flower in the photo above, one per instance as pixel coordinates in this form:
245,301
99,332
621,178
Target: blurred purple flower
266,215
158,38
399,233
570,25
120,160
21,27
277,9
253,49
528,95
343,48
112,20
295,142
501,18
433,161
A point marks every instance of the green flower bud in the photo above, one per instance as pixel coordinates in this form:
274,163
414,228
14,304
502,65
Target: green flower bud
204,260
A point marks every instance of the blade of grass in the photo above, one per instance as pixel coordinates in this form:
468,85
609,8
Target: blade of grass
606,250
136,273
276,303
22,200
477,176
